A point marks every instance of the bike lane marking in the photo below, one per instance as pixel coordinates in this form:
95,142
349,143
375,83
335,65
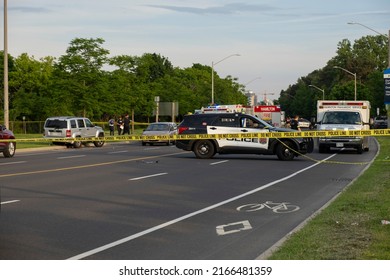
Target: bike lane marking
233,227
190,215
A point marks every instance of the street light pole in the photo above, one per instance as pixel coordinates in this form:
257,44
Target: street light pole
388,63
349,72
320,89
6,106
212,74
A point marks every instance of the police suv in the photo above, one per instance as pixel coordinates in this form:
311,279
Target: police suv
237,123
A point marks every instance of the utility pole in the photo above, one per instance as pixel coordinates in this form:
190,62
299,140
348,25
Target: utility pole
6,106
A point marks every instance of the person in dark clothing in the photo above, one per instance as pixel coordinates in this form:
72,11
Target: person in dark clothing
111,126
126,124
294,123
120,125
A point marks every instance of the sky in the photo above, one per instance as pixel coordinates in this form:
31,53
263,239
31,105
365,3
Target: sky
277,41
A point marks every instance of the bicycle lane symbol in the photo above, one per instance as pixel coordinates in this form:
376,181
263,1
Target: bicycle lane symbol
276,207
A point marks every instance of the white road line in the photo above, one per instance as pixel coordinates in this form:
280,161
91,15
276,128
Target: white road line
218,162
15,162
79,156
149,176
150,149
8,202
118,152
190,215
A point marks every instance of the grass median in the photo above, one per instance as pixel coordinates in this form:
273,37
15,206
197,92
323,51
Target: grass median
31,144
351,227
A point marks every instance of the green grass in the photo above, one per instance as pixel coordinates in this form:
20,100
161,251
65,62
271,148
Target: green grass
350,228
32,144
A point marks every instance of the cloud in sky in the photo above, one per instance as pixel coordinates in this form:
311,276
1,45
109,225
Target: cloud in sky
229,8
28,9
278,40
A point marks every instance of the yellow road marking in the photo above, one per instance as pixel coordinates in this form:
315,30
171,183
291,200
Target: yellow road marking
85,166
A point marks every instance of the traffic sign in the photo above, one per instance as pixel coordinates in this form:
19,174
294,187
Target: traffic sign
386,76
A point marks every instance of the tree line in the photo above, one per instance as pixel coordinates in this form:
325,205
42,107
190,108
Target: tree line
86,81
367,58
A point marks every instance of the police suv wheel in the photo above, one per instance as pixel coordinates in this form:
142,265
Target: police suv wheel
284,152
204,149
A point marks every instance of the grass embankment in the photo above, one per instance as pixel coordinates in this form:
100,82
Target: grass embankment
351,227
31,144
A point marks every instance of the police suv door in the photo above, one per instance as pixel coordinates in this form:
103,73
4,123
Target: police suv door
239,125
249,124
225,125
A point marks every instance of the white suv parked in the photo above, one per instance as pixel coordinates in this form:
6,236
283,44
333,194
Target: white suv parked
72,127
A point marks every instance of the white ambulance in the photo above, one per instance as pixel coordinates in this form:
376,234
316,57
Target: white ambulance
343,115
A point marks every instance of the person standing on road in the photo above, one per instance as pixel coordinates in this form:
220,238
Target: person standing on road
294,123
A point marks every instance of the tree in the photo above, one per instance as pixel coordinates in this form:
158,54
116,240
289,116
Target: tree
367,57
30,82
81,68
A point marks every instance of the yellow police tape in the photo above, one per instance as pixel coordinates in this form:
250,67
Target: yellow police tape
295,134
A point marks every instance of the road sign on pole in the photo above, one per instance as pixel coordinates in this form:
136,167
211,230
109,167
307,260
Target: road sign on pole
386,76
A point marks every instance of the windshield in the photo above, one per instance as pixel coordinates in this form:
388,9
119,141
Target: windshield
255,122
341,118
158,127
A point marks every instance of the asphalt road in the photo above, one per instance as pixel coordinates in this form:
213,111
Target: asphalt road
125,201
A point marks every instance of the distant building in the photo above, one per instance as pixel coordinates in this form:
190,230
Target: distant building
252,98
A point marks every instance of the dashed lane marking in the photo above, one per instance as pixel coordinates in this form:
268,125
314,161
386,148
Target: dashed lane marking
86,166
218,162
148,176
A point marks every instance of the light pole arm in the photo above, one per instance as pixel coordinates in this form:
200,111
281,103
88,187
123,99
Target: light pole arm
338,67
215,63
377,32
349,72
320,89
212,74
